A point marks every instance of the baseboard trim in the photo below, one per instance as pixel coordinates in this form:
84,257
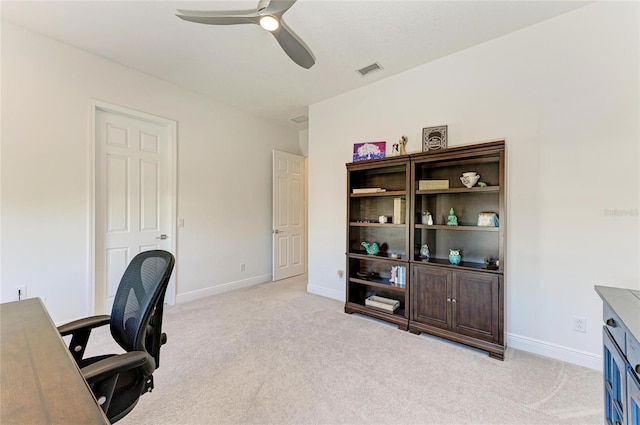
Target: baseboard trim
219,289
555,351
326,292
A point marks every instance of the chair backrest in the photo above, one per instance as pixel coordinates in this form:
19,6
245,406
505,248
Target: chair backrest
136,316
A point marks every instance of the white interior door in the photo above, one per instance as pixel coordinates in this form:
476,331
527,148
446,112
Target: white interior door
289,215
133,197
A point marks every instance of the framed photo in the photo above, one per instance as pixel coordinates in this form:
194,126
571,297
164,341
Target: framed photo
369,150
434,138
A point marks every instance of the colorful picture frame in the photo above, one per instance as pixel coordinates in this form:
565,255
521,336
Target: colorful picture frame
369,150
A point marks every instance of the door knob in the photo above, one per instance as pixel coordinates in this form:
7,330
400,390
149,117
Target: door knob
611,322
163,237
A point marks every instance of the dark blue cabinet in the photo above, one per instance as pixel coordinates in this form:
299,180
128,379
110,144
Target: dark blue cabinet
621,355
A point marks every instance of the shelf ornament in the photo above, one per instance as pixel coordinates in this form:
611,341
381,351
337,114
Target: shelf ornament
452,219
371,248
426,218
400,147
424,252
454,256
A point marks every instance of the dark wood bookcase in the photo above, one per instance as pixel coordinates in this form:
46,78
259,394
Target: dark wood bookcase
369,275
464,302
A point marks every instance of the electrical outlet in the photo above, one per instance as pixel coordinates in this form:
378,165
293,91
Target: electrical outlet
20,293
580,324
242,267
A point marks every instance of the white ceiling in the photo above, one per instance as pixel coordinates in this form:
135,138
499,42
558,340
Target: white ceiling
244,67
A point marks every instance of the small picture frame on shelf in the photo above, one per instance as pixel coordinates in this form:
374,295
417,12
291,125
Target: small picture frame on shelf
434,138
369,150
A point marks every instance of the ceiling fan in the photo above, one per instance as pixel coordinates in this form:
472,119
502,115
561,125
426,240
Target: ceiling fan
269,16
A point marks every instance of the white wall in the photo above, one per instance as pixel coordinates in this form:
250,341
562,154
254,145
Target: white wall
224,169
565,96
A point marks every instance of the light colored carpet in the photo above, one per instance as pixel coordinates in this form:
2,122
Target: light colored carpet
274,354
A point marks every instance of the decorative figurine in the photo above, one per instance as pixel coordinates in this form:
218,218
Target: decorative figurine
403,143
372,249
394,274
470,178
426,218
395,149
454,256
490,264
452,219
424,251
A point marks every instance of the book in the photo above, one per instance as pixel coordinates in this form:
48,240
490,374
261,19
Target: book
369,190
399,210
401,277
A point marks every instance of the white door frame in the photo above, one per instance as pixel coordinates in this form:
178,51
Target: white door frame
98,105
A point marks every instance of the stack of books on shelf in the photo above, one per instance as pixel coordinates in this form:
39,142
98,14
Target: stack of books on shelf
369,190
381,303
399,276
399,210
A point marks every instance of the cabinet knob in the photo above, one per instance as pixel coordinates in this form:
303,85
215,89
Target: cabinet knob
448,300
637,368
454,300
611,322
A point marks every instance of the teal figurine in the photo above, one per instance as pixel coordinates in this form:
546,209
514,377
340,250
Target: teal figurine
372,248
454,256
452,220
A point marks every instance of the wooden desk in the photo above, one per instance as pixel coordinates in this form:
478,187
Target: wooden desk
40,381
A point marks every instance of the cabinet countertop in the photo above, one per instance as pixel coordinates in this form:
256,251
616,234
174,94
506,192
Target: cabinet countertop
626,304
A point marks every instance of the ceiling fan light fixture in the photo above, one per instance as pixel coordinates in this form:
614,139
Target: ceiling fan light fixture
269,23
267,15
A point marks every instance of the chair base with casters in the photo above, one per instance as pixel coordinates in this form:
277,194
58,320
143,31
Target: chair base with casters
118,380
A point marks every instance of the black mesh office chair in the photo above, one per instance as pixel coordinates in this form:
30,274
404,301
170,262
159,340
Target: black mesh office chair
118,381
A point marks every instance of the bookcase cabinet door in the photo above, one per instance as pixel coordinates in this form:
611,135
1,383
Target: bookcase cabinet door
475,301
431,300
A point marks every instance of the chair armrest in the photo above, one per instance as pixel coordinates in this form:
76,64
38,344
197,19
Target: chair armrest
117,364
85,323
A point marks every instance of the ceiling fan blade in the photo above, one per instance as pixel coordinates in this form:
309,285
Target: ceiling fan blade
293,46
230,17
277,7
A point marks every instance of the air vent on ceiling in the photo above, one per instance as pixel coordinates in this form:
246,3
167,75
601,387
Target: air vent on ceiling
369,69
300,119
